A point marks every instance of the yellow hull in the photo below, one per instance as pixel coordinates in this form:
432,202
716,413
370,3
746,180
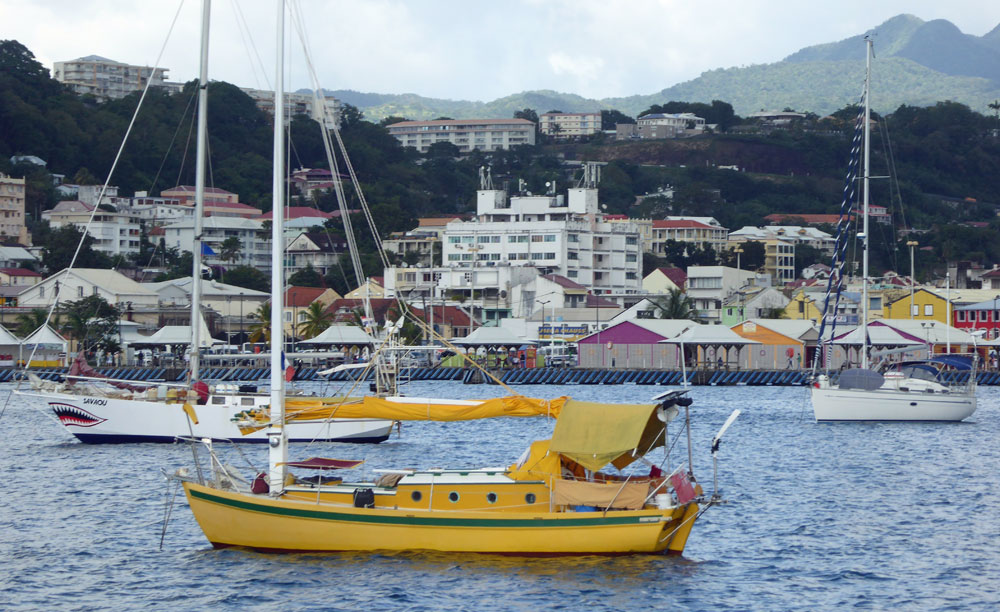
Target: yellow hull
284,524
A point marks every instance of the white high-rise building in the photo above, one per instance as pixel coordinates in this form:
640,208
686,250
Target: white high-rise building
106,79
564,235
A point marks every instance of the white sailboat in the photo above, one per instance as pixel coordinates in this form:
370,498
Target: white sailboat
909,391
96,410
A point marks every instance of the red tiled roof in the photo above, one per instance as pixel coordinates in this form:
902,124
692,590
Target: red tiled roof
19,272
297,212
344,308
447,315
676,275
596,301
562,281
300,297
680,223
995,273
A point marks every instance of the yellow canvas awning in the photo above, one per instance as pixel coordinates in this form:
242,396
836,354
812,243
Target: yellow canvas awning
595,434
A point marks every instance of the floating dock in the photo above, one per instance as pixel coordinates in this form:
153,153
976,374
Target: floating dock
521,376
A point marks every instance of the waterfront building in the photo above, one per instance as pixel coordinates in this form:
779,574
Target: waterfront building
466,134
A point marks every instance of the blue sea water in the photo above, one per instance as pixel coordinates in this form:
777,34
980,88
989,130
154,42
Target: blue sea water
820,517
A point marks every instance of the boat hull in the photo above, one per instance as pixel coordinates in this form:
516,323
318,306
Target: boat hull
280,524
833,404
100,420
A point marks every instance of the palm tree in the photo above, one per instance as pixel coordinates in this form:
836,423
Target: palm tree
261,330
230,249
675,305
28,322
317,319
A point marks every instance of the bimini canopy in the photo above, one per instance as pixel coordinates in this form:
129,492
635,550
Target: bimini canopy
595,434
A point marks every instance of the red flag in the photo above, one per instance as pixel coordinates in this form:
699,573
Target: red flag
289,373
682,487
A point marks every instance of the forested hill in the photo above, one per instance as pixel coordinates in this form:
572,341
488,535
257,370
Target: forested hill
917,63
947,155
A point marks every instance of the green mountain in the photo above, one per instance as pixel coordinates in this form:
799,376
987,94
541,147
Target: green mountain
917,63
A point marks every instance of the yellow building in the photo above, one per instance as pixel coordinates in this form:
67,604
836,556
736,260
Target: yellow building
804,306
927,306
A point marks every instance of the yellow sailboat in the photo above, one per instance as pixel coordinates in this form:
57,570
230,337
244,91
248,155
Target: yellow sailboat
553,501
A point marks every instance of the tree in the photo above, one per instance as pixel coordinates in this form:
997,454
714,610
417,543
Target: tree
61,244
93,323
675,305
261,330
32,320
306,277
316,319
246,276
610,118
231,249
528,114
443,149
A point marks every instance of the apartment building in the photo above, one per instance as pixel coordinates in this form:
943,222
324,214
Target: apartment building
107,79
12,210
794,234
569,125
710,286
113,233
255,244
699,231
297,104
466,134
564,235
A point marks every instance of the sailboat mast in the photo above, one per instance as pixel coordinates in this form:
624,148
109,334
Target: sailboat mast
865,179
199,191
276,436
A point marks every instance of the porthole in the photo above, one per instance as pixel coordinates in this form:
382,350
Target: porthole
491,497
530,498
453,497
416,496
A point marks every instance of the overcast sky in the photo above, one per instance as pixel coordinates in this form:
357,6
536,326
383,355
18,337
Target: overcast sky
467,49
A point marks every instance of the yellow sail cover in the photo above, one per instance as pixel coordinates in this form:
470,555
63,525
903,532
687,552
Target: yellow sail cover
404,409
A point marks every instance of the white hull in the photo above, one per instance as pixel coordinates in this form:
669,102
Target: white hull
890,404
112,420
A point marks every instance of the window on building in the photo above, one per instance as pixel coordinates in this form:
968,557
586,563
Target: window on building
288,317
631,240
959,315
550,237
928,310
537,238
631,257
573,238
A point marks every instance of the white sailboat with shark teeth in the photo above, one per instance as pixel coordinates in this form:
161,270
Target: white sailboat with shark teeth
99,410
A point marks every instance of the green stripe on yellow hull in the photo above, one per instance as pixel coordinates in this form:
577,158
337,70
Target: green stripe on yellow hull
279,524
